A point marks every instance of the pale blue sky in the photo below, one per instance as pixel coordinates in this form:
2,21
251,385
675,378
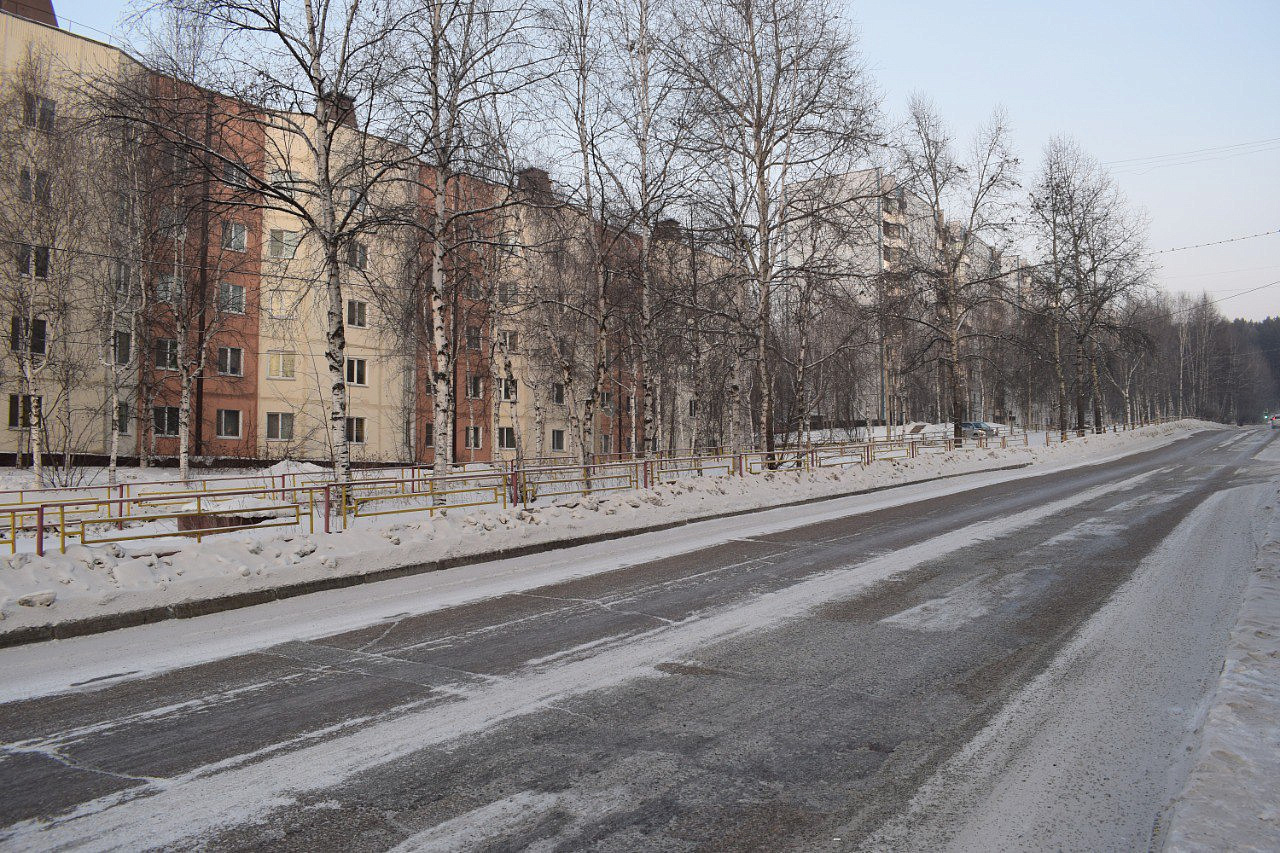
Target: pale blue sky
1127,78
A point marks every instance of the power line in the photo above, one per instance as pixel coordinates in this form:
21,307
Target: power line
1216,242
1194,151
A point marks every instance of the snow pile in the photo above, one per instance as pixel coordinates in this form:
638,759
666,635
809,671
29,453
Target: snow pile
1231,799
90,581
292,466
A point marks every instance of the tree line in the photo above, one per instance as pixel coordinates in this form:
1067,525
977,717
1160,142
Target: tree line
703,209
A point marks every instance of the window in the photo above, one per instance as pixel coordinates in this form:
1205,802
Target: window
38,112
228,423
28,336
234,173
627,403
231,361
473,438
121,277
357,314
282,244
508,389
20,410
165,419
173,223
429,437
122,348
166,287
693,408
234,236
506,292
231,297
357,201
279,426
475,386
356,371
355,430
285,183
508,340
167,354
606,444
357,256
124,418
606,400
557,393
282,304
282,365
557,440
507,438
32,261
473,337
35,186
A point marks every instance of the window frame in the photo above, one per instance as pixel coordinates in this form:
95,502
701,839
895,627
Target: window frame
473,437
170,346
116,337
24,333
177,421
235,236
361,365
224,366
557,440
226,304
21,408
220,424
276,362
361,313
281,419
286,240
354,430
505,433
358,255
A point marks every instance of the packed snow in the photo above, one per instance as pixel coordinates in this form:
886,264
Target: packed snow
88,581
1231,799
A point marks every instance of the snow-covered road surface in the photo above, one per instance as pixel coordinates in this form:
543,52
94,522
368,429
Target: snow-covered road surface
782,686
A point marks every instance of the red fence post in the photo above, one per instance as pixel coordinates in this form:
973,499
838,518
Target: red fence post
326,508
40,530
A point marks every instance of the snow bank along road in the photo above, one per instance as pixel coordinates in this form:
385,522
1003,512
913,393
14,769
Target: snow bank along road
1023,664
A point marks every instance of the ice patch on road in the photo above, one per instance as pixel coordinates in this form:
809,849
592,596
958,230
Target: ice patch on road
964,604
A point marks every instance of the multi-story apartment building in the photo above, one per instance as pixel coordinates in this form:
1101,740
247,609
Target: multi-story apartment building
174,294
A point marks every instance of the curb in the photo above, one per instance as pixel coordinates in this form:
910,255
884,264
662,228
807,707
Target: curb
205,606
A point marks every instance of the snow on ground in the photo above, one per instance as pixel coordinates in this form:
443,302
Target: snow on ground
1231,799
169,812
1089,755
93,581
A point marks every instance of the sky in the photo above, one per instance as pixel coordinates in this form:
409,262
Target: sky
1127,79
1138,83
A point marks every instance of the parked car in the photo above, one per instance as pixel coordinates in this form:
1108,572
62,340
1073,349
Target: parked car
976,429
1275,421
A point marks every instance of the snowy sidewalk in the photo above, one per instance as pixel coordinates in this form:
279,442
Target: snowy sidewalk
1231,799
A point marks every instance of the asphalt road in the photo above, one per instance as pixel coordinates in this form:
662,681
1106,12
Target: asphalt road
789,690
